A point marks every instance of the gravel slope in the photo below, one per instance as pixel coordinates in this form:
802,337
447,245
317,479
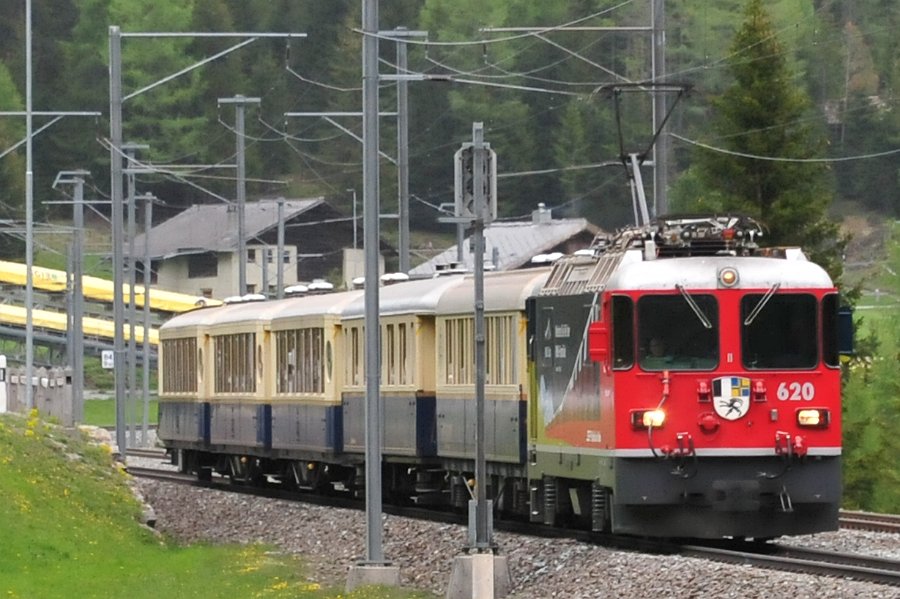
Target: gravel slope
332,540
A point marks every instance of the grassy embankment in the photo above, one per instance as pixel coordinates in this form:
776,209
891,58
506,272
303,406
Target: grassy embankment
69,528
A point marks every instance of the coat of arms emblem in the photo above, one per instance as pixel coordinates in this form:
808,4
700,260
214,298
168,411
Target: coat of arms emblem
731,396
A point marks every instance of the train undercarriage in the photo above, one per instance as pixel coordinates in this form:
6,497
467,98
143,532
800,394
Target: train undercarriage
726,500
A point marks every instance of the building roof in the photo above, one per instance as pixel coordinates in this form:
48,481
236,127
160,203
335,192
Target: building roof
213,227
512,245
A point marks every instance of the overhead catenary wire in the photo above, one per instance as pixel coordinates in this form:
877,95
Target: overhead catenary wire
782,158
483,42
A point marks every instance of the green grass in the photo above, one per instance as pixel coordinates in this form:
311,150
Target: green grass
102,412
878,311
69,528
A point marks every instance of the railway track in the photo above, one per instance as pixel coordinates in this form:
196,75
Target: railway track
147,453
762,555
165,475
870,521
807,561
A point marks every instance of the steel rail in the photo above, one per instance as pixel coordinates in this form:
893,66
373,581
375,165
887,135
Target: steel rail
807,561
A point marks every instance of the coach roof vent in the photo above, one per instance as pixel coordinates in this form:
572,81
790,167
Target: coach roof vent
319,286
295,290
453,268
543,259
391,278
249,297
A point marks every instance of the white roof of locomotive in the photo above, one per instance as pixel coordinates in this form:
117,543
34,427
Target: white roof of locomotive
503,291
794,272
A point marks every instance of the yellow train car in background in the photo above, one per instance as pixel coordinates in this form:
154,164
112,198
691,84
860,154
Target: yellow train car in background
97,289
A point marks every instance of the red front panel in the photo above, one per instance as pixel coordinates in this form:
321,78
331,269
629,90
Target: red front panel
729,408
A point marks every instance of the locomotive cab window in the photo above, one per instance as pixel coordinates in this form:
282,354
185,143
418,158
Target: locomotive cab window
623,332
830,344
779,331
678,332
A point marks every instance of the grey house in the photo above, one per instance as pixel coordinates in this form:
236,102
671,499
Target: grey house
195,252
512,245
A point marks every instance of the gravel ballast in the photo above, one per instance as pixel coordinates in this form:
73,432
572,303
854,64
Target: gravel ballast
332,540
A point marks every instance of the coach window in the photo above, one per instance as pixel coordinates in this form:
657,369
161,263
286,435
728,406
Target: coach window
235,363
678,332
500,350
328,361
623,332
458,351
389,356
179,365
299,361
356,365
403,348
779,331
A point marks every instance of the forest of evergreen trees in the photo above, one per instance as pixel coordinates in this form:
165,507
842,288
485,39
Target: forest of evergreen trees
541,97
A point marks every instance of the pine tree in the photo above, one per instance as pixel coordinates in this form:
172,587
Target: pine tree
761,122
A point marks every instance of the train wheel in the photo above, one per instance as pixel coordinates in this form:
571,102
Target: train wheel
204,474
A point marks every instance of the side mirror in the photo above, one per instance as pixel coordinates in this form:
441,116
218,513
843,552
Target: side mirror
598,342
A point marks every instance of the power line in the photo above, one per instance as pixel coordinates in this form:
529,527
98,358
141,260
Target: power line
502,39
781,159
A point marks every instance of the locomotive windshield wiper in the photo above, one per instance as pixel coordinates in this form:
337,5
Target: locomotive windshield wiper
762,304
704,320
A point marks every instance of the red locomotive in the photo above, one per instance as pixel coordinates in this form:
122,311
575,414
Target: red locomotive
688,385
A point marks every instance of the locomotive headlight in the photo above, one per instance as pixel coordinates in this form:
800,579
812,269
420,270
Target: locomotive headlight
728,277
813,418
644,419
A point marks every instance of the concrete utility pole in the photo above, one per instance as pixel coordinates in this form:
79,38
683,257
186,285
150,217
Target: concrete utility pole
661,147
29,218
115,156
480,574
76,327
375,570
279,268
148,199
130,150
482,539
240,102
403,154
353,191
77,359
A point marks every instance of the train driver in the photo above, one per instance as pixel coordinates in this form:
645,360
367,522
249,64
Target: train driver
656,356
